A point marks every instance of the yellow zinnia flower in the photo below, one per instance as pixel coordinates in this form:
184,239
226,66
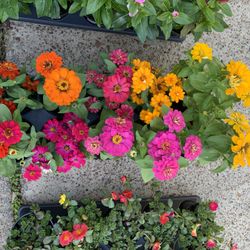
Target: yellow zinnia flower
201,51
176,93
158,100
146,116
136,99
142,80
63,198
140,64
171,79
159,86
241,149
238,121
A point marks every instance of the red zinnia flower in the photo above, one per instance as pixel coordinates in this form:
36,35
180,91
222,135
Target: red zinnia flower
156,246
10,132
30,85
99,79
164,218
32,173
125,111
11,105
90,76
3,150
9,70
213,206
65,238
80,231
128,194
115,196
80,131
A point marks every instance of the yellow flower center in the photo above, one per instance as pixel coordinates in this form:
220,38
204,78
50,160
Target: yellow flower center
8,133
120,120
63,85
176,120
94,145
117,88
116,139
81,132
168,172
194,148
165,145
234,81
67,148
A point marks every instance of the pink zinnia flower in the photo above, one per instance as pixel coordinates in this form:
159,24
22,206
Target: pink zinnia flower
174,120
118,57
80,231
213,206
140,1
77,160
32,173
66,238
111,105
65,168
89,102
118,123
38,155
70,119
93,145
90,76
211,244
117,143
125,111
80,131
166,169
192,147
51,130
164,144
66,149
125,71
116,89
10,133
99,80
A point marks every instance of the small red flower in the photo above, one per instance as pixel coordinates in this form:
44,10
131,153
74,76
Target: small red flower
10,132
156,246
80,231
164,218
123,179
115,196
211,244
223,1
234,247
65,238
123,199
30,85
9,70
128,194
3,150
2,91
32,173
213,206
11,105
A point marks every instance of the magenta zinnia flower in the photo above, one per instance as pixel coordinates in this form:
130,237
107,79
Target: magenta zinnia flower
32,173
192,147
116,89
77,160
118,57
71,119
80,131
125,71
164,144
38,155
118,123
65,168
99,79
89,102
125,111
93,145
90,76
165,169
117,143
64,134
111,105
174,120
51,130
66,149
10,133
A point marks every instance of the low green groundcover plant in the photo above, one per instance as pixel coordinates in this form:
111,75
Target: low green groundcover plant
120,223
146,17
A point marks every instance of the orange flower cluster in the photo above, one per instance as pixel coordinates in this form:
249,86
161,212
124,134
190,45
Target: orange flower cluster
62,86
9,70
159,90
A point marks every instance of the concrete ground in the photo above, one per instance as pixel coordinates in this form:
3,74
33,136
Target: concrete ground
25,41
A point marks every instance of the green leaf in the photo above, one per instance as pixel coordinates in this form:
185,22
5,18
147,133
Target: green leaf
209,154
149,9
108,202
147,174
164,109
221,168
183,19
183,162
220,142
5,114
110,65
198,81
106,15
157,124
167,28
209,14
75,6
48,104
43,7
146,163
226,9
63,3
141,29
95,92
7,167
215,128
94,5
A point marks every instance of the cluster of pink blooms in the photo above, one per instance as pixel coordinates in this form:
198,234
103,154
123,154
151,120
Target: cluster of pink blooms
165,148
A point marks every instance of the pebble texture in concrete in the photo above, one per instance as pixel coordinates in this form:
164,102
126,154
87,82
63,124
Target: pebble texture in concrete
25,41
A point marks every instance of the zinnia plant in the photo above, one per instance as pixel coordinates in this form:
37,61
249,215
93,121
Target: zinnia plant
128,107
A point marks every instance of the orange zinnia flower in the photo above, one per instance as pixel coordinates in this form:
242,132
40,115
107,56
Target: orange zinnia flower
9,70
47,62
29,84
62,86
177,94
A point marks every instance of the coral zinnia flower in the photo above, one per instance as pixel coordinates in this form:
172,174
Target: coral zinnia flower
30,85
201,51
80,231
176,93
32,173
3,150
9,70
47,62
116,89
142,80
80,131
164,218
11,105
10,132
66,238
62,86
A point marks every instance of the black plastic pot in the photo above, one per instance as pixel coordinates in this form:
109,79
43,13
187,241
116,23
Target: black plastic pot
75,21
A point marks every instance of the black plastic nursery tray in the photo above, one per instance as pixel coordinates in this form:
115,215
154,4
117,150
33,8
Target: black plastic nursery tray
75,21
